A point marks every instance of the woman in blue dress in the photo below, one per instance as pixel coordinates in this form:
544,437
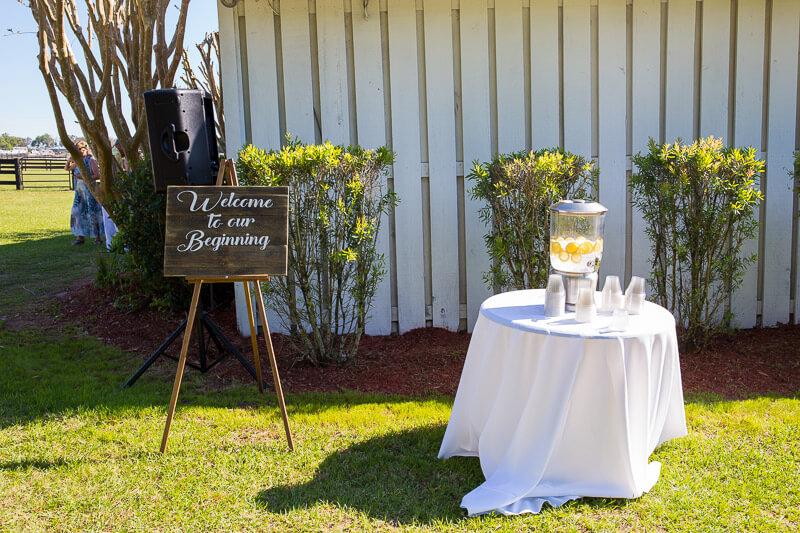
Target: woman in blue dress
86,218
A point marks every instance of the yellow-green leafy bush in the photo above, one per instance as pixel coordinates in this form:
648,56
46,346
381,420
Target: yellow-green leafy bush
699,203
519,189
337,196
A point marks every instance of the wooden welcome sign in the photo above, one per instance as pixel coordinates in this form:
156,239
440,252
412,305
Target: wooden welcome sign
217,232
227,233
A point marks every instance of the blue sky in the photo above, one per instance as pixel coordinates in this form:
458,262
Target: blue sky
24,104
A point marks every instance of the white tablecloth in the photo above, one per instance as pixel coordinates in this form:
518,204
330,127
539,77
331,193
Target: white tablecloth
557,410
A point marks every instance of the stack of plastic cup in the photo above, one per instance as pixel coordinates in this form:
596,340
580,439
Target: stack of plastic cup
611,295
585,309
555,296
619,320
634,295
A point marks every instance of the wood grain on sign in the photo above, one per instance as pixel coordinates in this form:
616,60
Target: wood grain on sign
216,232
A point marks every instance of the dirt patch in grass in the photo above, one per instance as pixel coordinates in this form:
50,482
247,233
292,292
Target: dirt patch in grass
423,361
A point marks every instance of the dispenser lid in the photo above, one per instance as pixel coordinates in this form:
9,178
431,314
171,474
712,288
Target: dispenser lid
578,207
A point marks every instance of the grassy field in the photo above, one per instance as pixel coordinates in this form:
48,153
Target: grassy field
37,258
77,453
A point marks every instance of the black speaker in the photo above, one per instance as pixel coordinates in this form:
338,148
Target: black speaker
183,142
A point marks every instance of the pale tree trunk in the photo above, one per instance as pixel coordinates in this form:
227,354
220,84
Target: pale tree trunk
120,51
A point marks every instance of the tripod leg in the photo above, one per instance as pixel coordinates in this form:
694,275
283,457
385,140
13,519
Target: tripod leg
271,352
161,349
205,321
201,338
181,363
253,335
217,335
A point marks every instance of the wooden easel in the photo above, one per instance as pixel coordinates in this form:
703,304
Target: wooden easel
228,169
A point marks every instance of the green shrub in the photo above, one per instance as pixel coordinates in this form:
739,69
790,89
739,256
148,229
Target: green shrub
519,189
336,200
698,202
795,174
137,269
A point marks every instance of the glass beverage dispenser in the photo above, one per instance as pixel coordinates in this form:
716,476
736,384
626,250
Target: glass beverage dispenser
576,244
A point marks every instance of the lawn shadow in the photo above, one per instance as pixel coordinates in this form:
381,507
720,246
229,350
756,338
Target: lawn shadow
57,373
710,399
399,479
38,266
35,464
395,477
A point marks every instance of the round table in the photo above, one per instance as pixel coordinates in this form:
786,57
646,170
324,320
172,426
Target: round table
557,410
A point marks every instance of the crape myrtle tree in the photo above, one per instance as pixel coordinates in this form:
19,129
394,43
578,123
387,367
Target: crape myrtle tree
100,57
211,79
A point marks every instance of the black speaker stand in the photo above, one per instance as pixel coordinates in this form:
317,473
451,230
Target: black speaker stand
205,325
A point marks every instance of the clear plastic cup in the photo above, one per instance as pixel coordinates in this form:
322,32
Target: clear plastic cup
619,320
611,295
555,296
634,303
636,285
555,283
634,295
618,301
585,309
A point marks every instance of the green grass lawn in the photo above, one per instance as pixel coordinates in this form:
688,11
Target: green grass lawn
36,255
77,453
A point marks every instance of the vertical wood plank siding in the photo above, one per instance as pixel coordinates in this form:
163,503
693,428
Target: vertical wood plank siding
477,145
747,118
371,133
778,222
612,123
448,82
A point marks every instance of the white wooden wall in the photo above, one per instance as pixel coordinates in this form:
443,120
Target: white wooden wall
446,82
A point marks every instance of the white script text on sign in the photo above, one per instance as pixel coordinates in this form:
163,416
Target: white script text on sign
226,231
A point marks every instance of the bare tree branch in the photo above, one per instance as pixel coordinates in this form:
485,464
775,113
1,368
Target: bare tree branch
123,53
211,79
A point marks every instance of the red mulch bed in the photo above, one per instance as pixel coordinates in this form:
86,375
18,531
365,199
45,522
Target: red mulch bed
424,361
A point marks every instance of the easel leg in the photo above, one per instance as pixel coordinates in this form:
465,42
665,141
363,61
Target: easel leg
271,352
181,362
253,335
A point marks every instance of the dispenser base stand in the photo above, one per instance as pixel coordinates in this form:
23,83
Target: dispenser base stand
574,282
